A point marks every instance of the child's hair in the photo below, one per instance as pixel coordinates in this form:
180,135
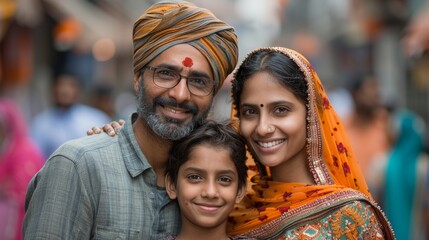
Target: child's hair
215,134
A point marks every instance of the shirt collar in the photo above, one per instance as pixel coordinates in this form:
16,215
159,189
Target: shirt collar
135,160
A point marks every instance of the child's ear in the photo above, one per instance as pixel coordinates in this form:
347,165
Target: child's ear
170,188
241,193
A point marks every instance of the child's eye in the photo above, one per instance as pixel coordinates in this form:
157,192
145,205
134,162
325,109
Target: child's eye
225,180
194,178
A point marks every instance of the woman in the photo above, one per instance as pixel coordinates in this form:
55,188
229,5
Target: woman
19,161
308,184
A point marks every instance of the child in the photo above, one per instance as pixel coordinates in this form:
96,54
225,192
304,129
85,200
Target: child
207,174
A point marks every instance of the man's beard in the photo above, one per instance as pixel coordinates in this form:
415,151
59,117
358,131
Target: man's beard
168,128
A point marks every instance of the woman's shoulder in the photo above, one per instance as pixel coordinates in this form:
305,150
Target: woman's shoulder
359,218
356,219
357,207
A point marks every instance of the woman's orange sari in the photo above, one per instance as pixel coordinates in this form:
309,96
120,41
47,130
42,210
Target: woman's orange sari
270,207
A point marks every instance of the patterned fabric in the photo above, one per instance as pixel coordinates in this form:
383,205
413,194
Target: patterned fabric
99,187
272,207
355,220
170,23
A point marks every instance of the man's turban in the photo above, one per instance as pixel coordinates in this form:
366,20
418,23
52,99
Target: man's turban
166,24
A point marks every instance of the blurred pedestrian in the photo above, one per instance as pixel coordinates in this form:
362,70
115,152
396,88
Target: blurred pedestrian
367,123
67,119
19,161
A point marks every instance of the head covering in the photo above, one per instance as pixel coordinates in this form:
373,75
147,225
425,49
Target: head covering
19,161
166,24
272,205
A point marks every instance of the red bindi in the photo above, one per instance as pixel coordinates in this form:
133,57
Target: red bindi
187,62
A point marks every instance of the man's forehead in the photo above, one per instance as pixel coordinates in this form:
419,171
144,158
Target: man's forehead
181,57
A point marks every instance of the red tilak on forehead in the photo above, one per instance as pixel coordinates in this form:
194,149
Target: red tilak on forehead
187,62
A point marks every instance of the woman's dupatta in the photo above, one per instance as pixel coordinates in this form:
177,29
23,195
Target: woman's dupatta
271,207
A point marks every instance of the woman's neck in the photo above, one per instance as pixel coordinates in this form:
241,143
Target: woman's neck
293,170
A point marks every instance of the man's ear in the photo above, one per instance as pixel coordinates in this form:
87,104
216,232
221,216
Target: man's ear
137,79
241,193
170,187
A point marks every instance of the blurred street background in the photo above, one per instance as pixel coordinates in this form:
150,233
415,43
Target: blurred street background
92,39
345,40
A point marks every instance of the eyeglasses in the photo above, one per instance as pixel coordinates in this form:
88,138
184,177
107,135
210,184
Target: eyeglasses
168,78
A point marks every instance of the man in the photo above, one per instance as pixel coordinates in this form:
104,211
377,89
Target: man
113,188
67,118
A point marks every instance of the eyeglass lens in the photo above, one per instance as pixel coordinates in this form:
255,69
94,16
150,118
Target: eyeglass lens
167,78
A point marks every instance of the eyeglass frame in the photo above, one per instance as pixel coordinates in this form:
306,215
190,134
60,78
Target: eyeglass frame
153,69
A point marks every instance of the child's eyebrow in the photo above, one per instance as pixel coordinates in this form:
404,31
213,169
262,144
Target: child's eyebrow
201,170
194,169
228,171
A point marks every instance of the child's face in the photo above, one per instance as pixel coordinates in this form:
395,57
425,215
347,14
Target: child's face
206,187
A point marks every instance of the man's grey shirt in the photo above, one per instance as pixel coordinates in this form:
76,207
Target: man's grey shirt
99,187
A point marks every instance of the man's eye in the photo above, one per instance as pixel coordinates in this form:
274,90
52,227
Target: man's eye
199,82
166,73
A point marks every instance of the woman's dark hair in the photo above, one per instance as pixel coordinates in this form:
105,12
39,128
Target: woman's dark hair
280,66
214,134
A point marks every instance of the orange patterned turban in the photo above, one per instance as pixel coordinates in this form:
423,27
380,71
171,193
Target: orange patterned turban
166,24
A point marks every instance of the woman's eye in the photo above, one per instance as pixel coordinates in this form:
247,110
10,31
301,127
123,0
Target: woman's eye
248,112
281,110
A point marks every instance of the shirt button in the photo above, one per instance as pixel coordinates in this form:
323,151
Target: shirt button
152,195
